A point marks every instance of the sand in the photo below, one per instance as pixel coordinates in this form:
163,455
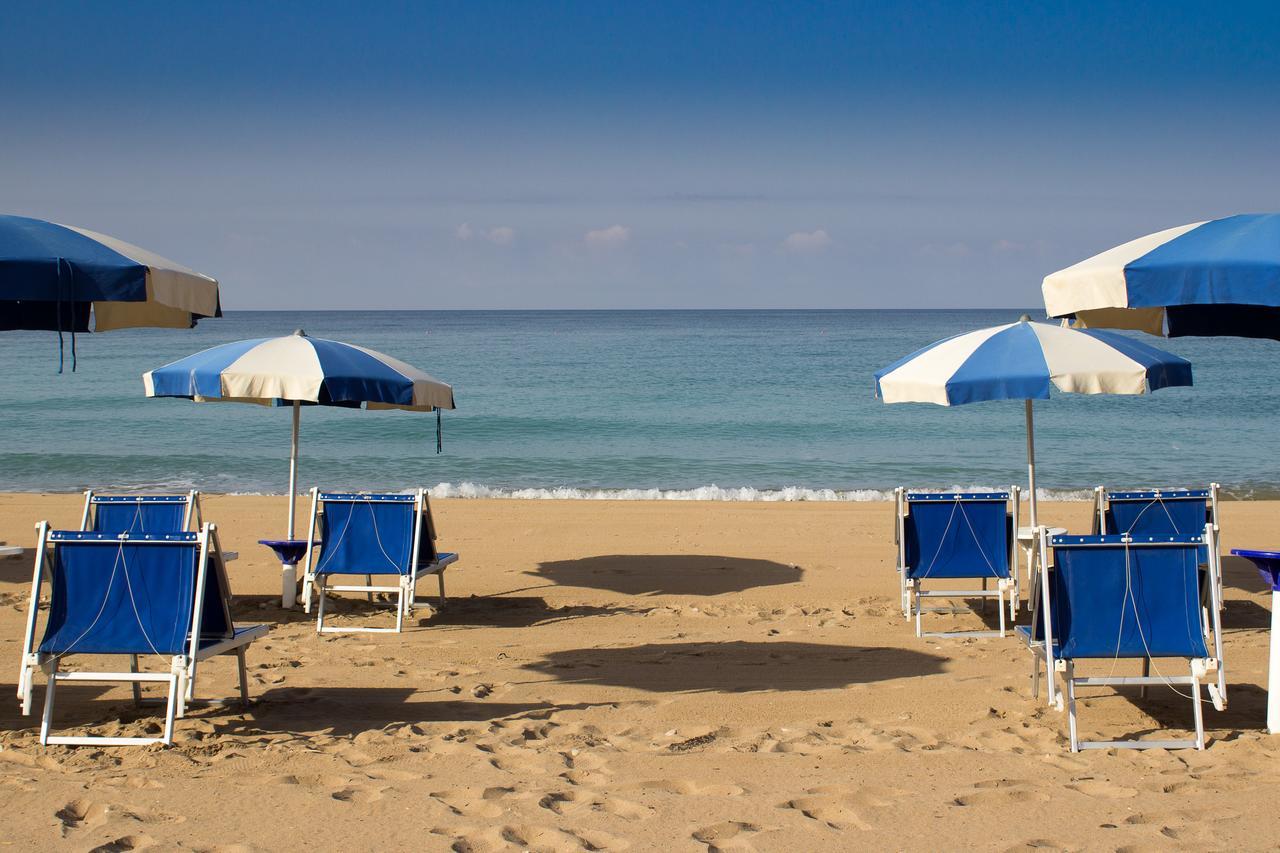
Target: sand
642,676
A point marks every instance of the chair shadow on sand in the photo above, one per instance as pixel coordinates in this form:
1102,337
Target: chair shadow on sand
737,666
668,574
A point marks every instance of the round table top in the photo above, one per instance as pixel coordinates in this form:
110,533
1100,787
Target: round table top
1251,554
290,551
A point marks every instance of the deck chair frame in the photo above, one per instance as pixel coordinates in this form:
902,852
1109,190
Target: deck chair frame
405,590
191,513
1209,671
179,680
911,590
1103,499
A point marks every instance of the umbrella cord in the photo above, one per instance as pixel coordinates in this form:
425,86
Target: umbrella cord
71,280
439,437
57,310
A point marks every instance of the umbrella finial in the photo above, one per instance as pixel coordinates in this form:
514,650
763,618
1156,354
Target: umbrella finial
299,333
1025,318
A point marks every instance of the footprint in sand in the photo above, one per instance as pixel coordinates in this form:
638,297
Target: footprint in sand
1002,792
684,787
125,842
839,808
1103,790
474,802
528,837
727,835
78,814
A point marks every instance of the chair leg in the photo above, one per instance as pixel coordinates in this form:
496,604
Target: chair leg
400,607
137,686
28,684
244,677
368,581
440,577
306,593
49,690
321,583
1035,674
1000,607
1197,710
1071,705
1146,671
176,689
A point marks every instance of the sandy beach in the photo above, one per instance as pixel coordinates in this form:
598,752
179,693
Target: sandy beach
643,676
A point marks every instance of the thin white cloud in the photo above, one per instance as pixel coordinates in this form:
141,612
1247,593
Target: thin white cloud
464,232
807,241
501,235
947,250
608,238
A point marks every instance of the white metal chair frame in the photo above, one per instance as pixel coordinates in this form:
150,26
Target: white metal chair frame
1210,670
181,676
405,588
912,593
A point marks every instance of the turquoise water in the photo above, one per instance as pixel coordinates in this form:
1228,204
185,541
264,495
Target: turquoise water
758,404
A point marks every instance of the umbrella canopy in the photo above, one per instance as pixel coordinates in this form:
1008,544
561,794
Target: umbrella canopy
1220,277
55,277
1020,361
298,370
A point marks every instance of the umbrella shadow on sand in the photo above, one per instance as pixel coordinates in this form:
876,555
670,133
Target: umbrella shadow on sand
668,574
737,666
347,711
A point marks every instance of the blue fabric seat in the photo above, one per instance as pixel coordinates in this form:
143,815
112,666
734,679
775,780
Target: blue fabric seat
145,595
1118,597
140,513
1164,512
956,536
371,535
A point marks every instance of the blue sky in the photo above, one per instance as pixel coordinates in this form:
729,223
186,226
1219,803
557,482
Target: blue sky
589,155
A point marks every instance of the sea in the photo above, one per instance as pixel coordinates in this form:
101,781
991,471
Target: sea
650,405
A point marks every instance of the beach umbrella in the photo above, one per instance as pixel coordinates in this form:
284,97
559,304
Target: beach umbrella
60,278
1220,277
1020,361
297,370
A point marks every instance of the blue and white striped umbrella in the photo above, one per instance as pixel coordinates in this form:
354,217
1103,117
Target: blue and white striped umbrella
1021,361
57,277
1220,277
297,370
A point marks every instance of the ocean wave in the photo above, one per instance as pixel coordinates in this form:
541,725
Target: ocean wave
786,494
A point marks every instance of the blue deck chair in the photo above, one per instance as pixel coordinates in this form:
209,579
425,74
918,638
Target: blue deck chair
1163,512
144,595
956,536
141,513
1116,596
372,534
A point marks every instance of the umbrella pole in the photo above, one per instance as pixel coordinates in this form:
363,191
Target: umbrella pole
293,467
1031,465
289,568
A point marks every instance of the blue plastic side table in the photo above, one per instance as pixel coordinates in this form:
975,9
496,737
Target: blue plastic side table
290,551
1268,563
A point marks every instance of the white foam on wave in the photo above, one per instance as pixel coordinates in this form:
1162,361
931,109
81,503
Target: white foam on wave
786,494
